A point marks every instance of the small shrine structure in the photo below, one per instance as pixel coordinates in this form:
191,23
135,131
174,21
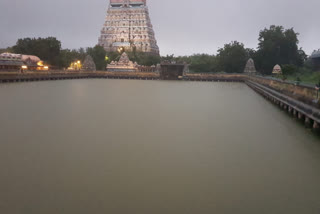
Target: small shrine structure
250,67
277,70
123,65
88,64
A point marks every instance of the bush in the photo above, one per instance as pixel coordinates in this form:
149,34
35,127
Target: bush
289,69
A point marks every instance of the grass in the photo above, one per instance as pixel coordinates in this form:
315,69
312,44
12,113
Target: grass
306,77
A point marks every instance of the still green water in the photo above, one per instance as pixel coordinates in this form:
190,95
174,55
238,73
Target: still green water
152,147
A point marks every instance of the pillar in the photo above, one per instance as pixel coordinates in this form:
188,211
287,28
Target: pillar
300,116
295,113
307,122
316,126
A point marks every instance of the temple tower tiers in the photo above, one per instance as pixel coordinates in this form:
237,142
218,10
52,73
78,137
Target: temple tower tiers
128,25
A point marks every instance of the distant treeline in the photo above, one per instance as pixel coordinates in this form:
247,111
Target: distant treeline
49,50
276,46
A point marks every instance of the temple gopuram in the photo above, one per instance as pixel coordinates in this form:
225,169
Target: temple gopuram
128,26
123,65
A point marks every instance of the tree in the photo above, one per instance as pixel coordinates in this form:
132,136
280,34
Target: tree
289,69
233,57
199,63
98,55
47,49
143,58
278,46
168,58
67,56
251,53
202,63
147,59
112,56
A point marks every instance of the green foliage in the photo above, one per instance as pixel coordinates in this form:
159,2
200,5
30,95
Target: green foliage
168,58
112,56
9,50
305,75
313,64
186,59
143,58
199,63
278,46
202,63
98,55
148,59
298,80
67,56
289,69
47,49
250,53
233,57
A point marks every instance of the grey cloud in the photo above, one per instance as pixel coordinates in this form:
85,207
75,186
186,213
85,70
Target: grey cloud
182,27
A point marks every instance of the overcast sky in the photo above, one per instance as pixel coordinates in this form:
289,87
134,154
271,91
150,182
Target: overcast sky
182,27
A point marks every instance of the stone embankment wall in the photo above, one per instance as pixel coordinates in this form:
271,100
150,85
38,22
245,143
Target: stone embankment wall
216,77
308,114
297,100
299,92
59,75
302,93
134,75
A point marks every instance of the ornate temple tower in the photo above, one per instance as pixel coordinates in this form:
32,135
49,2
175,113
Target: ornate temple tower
128,26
